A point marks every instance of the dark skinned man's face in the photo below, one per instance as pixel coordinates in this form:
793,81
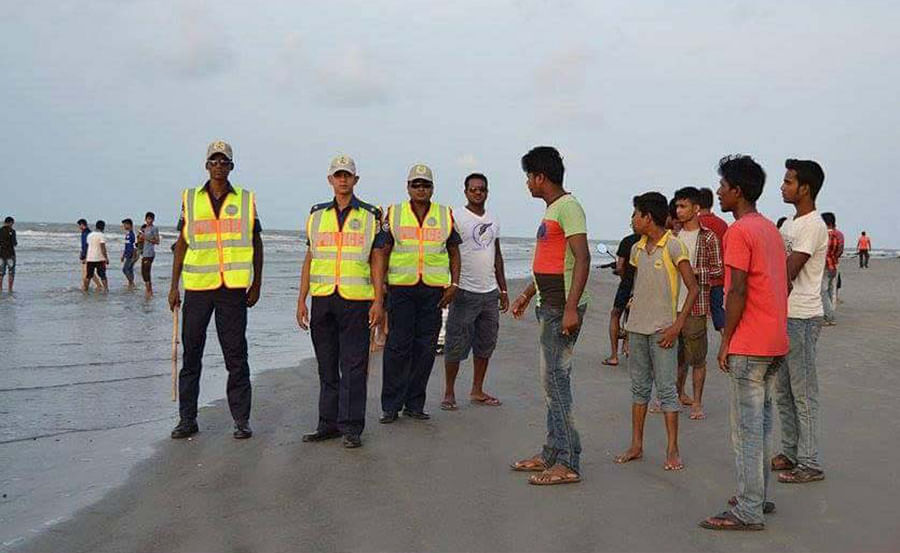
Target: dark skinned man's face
791,189
476,192
728,196
420,190
219,167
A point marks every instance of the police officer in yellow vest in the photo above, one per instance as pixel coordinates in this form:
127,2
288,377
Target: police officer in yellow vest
422,276
219,256
346,282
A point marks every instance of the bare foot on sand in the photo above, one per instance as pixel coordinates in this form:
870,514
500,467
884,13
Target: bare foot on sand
633,454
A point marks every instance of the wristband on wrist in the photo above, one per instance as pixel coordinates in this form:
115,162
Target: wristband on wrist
454,284
504,292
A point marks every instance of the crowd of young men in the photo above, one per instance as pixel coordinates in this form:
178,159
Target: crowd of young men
416,257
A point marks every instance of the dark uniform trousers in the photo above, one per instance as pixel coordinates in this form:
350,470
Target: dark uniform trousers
340,337
414,322
230,307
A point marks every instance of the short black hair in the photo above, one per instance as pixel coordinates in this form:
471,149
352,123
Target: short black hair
127,222
864,233
706,198
9,220
150,214
544,160
808,172
474,176
100,225
742,171
653,204
81,222
780,221
688,193
829,219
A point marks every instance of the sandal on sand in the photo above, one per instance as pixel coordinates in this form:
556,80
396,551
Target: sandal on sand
697,415
486,400
609,362
768,506
448,405
801,475
782,462
727,521
557,474
532,464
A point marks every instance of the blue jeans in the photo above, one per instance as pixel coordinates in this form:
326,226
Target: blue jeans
128,268
828,279
752,387
557,350
649,362
797,394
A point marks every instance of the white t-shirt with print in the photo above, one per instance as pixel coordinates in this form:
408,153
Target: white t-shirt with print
689,238
807,234
94,253
479,236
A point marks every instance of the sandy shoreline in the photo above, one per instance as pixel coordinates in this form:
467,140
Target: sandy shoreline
444,485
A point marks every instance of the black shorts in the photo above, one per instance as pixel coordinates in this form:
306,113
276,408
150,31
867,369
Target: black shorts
623,294
99,267
146,263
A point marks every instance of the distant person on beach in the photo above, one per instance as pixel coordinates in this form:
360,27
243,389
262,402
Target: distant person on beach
754,340
625,271
474,319
705,254
660,260
713,222
127,258
149,238
832,261
797,387
219,254
97,257
85,231
561,265
422,250
8,245
346,281
863,246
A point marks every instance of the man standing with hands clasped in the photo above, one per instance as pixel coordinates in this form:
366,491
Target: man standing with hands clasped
423,276
560,273
346,281
219,253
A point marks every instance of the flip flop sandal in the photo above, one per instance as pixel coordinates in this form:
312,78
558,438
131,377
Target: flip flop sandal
768,506
697,416
487,400
727,521
801,475
448,406
529,465
547,478
671,467
609,363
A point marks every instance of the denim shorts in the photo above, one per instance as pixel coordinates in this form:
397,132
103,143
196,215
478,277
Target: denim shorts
650,363
7,264
473,323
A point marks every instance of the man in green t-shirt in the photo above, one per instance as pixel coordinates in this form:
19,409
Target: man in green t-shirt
560,269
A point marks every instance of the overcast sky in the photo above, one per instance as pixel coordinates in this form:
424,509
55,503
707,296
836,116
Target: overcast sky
107,106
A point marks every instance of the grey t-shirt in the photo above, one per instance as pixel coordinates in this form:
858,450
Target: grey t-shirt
150,233
656,284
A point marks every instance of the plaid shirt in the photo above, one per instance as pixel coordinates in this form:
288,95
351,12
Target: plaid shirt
835,249
708,267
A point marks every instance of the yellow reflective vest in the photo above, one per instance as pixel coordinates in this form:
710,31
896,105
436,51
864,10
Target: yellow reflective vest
340,254
220,249
420,251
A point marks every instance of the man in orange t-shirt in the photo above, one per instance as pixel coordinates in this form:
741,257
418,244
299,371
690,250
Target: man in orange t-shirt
863,245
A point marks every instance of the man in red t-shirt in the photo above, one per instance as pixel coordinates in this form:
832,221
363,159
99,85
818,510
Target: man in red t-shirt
754,340
713,222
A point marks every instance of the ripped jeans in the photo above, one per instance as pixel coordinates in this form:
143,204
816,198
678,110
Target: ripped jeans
563,444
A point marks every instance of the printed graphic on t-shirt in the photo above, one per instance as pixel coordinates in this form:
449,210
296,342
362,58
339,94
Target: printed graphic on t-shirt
483,235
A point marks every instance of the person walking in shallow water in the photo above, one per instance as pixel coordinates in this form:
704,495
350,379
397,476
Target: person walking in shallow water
8,245
219,255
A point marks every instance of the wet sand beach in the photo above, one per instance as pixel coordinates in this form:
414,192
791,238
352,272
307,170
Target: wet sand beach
445,485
